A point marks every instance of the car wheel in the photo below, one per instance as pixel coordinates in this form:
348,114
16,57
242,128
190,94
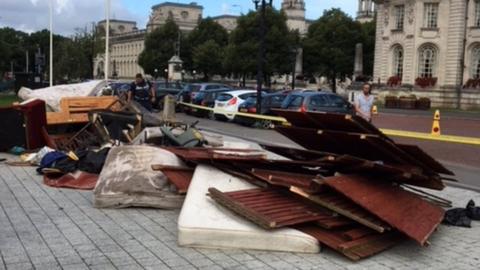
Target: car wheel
266,124
211,115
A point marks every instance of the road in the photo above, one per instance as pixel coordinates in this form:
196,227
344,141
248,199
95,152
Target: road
462,159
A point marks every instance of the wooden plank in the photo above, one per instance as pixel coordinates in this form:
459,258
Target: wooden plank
269,212
345,208
401,209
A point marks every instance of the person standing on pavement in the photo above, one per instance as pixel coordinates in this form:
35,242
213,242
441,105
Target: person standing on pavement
364,103
142,92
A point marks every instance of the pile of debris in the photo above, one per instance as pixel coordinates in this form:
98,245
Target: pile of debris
355,191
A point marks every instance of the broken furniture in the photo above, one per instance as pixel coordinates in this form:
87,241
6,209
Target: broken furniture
76,109
23,124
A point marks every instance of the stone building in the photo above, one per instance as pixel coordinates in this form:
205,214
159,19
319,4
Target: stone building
127,42
229,22
420,48
186,16
365,11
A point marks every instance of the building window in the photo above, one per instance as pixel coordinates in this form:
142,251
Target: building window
476,62
398,61
399,17
477,13
427,61
430,15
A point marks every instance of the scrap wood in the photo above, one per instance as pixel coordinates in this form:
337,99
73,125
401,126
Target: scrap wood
425,158
180,177
356,249
329,120
345,207
401,209
310,183
348,164
269,208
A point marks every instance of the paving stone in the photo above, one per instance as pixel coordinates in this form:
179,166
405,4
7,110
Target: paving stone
20,266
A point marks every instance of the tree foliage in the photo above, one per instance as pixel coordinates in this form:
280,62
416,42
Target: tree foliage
368,40
329,48
242,52
207,31
159,47
72,59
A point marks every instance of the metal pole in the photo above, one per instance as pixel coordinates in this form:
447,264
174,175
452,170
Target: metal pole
51,44
107,39
26,62
261,56
462,57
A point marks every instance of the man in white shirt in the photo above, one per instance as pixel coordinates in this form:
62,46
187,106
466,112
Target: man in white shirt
364,103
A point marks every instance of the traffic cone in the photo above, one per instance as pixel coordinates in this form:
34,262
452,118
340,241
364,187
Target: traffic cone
374,109
436,124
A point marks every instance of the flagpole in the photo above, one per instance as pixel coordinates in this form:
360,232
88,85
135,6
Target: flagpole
51,43
107,39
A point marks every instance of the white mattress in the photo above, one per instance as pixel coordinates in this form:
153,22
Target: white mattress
204,223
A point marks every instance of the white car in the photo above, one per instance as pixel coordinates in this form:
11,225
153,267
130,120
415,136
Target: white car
226,104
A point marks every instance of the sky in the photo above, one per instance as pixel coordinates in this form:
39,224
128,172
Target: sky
69,15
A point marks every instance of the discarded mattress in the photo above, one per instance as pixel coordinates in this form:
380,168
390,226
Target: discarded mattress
127,179
53,95
203,223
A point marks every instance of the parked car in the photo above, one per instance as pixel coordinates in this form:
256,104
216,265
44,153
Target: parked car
317,101
189,92
206,98
269,102
162,88
226,104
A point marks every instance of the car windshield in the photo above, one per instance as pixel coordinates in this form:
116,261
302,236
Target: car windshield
293,101
224,97
192,87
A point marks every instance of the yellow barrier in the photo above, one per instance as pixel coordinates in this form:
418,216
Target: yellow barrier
390,132
252,115
428,136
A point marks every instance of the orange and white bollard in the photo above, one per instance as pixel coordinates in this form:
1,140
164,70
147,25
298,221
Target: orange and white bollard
436,124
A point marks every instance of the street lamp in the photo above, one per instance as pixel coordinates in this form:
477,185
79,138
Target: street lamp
166,77
156,73
294,67
262,31
194,75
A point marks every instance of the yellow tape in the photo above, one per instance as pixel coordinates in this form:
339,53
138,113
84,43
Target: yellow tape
428,136
390,132
251,115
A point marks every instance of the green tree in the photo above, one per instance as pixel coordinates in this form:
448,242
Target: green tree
368,40
329,48
206,30
242,53
207,58
159,47
12,49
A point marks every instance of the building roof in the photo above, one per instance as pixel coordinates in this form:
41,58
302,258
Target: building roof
119,21
226,16
171,4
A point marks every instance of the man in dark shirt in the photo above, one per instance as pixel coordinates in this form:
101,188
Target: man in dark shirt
142,92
